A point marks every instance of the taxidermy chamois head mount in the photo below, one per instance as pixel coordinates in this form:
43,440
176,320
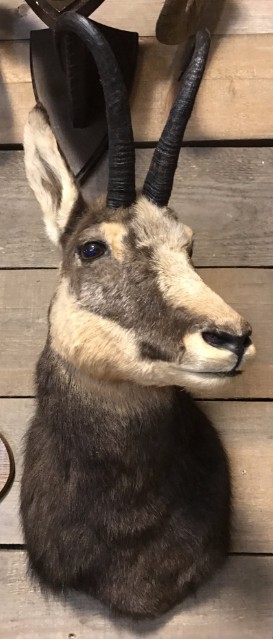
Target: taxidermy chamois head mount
129,305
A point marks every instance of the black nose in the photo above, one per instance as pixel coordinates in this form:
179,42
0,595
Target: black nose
235,343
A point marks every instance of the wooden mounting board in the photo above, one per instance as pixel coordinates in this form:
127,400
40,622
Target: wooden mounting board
234,102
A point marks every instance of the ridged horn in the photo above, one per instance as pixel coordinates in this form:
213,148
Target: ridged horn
121,181
159,181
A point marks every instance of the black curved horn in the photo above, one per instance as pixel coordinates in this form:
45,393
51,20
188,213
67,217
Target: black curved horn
121,181
159,181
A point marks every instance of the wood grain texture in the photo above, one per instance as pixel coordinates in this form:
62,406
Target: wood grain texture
243,16
236,604
23,241
224,194
248,291
246,430
180,18
18,19
234,101
233,17
25,295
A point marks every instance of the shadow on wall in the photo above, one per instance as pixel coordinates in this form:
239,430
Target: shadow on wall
239,596
16,21
180,19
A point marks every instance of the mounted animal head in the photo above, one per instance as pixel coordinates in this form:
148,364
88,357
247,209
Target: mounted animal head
129,304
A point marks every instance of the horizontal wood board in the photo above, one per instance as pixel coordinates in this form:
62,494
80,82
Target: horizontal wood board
25,295
233,17
221,17
224,194
246,430
237,604
234,101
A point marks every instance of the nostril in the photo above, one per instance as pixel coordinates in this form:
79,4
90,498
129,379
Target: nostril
213,339
234,343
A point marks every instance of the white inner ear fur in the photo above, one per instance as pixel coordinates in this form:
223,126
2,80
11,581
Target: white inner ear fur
181,286
42,158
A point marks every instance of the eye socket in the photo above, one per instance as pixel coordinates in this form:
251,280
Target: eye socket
91,251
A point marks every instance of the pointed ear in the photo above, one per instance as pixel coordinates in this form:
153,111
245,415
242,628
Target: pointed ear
48,174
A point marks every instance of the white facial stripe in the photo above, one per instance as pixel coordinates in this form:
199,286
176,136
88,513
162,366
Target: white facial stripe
182,287
179,284
104,350
98,345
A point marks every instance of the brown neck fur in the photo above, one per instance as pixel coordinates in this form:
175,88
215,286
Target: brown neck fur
85,403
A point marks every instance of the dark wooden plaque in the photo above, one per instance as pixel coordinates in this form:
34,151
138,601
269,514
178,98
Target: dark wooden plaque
7,466
48,10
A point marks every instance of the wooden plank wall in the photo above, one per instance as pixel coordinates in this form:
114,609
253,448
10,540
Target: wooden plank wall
226,195
246,430
241,608
235,98
230,17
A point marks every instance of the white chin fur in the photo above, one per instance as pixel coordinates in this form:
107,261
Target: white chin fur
166,374
195,382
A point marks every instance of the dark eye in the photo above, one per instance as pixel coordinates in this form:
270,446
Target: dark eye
92,250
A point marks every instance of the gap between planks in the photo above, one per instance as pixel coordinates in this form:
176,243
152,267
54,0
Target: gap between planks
225,195
22,547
